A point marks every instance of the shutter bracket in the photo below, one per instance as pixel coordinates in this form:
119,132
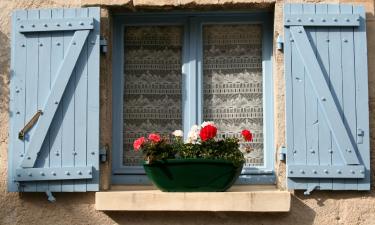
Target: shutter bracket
282,153
103,45
103,153
280,43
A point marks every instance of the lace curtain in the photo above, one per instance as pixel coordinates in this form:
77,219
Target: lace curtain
152,92
232,67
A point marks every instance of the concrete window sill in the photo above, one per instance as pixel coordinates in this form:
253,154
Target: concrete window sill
240,198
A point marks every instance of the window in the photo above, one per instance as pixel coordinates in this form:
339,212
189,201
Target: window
171,71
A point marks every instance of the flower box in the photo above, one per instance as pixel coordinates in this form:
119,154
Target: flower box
201,163
192,175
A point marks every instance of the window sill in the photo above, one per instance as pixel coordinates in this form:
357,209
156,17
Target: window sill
240,198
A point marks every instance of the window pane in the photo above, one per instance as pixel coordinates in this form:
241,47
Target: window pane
232,67
152,92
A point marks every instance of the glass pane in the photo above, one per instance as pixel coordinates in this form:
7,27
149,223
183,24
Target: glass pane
152,92
232,67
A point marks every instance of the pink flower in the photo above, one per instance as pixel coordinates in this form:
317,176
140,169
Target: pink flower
155,138
247,135
139,143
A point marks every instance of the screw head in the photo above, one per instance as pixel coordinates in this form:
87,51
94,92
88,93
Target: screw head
32,25
326,171
299,19
79,172
302,171
311,20
324,99
57,24
291,171
315,172
41,44
45,25
288,20
67,173
53,173
41,173
339,171
58,43
28,157
30,174
334,19
352,171
81,23
323,20
347,20
21,26
69,24
92,153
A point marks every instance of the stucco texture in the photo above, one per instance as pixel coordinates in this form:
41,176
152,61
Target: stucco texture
79,208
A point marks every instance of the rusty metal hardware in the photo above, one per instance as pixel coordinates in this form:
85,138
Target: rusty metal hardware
29,125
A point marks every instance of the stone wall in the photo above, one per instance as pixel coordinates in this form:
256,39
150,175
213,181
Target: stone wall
78,208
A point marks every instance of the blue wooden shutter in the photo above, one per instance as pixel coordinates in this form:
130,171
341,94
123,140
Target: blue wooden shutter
54,87
326,97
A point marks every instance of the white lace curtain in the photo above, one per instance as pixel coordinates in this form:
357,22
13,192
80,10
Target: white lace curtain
232,84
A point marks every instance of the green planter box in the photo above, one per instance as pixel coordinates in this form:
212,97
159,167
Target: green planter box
193,175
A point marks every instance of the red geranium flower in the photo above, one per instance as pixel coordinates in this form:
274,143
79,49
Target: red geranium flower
247,135
208,132
138,143
155,138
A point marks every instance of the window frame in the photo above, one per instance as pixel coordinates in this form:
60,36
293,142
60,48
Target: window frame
192,80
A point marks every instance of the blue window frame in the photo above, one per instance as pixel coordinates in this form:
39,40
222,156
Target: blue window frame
192,80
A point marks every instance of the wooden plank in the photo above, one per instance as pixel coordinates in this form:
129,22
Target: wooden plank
80,109
93,63
45,174
299,107
32,68
344,20
68,132
48,25
325,143
17,99
44,85
329,171
349,82
312,123
58,88
57,56
288,96
361,73
327,103
335,75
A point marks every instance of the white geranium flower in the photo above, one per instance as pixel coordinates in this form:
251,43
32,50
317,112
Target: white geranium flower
178,133
205,123
193,134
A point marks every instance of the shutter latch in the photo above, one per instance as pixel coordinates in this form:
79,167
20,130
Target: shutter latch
310,189
103,45
360,134
282,153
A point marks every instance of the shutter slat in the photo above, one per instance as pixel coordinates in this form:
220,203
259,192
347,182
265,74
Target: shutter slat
331,82
17,99
325,136
93,101
361,71
335,71
44,85
51,73
299,108
32,66
80,107
67,102
312,123
349,103
57,53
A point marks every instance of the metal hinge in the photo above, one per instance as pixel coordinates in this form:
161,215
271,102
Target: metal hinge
282,153
103,45
103,153
279,43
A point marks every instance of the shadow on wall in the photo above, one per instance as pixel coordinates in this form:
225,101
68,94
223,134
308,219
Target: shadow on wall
299,214
4,71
